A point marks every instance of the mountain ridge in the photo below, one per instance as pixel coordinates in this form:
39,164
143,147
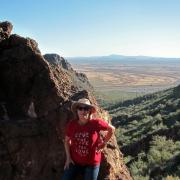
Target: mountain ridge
121,57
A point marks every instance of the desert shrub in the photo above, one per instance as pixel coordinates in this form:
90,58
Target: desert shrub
127,159
139,177
161,151
161,156
139,167
158,118
172,178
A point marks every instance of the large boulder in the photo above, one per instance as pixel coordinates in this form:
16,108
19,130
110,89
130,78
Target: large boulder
35,100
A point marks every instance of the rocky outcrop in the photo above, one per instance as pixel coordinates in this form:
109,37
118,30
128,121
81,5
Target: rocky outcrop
79,80
35,98
5,30
57,60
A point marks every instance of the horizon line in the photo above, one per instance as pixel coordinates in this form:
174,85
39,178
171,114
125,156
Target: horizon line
94,56
169,57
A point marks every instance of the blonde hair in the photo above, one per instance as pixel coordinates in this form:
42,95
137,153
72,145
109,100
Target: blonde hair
75,114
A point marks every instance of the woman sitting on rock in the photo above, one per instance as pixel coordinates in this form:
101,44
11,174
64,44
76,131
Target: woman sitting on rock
83,144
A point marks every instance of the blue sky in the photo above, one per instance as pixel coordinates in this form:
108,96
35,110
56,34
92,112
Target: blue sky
98,27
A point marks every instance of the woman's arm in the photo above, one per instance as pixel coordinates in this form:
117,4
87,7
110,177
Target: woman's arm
67,143
109,134
110,131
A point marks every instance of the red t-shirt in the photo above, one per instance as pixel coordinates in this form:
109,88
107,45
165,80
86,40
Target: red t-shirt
84,141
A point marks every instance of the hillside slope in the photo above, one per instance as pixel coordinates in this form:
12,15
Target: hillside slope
148,133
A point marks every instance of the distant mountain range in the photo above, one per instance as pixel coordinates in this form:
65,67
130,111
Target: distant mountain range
115,57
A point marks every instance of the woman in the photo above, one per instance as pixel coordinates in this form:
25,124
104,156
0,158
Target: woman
82,142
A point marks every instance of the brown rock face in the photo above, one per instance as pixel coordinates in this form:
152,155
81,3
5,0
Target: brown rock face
5,30
35,98
79,80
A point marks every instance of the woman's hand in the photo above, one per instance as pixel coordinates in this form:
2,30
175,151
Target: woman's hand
101,146
68,162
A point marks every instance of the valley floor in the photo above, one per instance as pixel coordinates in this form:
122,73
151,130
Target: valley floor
127,77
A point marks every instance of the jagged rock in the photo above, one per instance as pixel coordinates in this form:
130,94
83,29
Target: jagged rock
55,59
5,30
35,98
79,80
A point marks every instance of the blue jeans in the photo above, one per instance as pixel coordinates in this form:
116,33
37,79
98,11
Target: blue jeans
88,172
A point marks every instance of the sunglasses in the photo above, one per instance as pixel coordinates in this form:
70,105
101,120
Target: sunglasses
86,108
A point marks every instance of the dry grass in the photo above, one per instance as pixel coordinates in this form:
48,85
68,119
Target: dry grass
128,79
125,77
